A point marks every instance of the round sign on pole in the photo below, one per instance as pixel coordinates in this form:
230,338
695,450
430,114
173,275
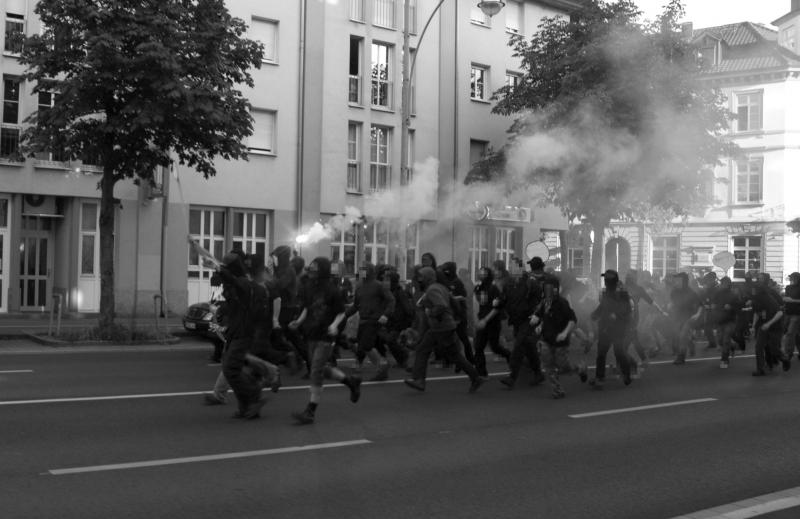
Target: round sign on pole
537,248
724,260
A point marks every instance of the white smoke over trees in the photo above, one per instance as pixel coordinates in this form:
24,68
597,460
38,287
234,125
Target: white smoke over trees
612,119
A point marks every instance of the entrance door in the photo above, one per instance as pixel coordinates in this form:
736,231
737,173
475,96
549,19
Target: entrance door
618,255
89,265
36,263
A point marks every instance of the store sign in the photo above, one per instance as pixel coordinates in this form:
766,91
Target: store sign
510,214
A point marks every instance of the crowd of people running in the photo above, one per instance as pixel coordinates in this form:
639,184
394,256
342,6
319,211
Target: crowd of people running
279,313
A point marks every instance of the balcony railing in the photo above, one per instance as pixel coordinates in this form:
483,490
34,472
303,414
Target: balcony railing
354,90
353,177
382,93
380,177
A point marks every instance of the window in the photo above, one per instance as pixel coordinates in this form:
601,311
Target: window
46,101
575,261
354,157
266,32
412,16
514,16
504,245
376,243
263,138
357,10
412,94
747,253
354,90
383,13
665,256
478,17
380,170
250,231
381,74
407,176
10,130
478,251
478,83
709,52
15,32
89,244
207,226
749,110
477,150
412,247
513,80
749,181
788,38
343,248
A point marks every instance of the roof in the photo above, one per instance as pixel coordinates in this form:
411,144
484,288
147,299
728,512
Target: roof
747,47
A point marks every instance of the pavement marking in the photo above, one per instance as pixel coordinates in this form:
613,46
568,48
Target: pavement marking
752,507
210,457
17,371
642,408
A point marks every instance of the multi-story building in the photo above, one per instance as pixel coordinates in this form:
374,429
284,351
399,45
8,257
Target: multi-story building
758,70
326,105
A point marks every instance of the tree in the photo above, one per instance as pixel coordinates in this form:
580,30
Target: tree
612,118
137,84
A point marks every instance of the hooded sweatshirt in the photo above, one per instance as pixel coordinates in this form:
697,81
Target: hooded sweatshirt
285,282
322,301
489,297
373,299
437,302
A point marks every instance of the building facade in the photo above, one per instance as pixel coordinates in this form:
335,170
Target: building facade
326,106
758,70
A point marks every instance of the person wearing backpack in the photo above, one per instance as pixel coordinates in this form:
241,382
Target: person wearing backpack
401,319
613,317
374,304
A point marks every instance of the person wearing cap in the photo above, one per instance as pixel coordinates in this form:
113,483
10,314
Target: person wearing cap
685,310
554,321
724,309
791,307
613,316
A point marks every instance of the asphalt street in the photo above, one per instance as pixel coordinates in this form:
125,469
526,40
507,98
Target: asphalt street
124,434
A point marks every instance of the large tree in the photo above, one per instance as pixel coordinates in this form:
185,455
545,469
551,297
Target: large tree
612,120
138,84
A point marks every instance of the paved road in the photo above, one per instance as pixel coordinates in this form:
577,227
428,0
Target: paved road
442,453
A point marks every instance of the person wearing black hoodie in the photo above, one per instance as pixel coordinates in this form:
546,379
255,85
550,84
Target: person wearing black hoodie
450,279
490,319
374,304
322,311
285,305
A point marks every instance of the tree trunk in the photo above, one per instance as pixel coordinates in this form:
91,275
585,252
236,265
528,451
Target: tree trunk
107,312
599,228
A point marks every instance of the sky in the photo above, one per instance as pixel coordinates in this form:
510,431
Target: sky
708,13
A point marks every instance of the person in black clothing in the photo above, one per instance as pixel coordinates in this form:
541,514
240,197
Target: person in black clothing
490,317
374,304
613,316
522,298
401,319
709,288
322,310
554,320
767,315
637,293
450,279
791,308
239,292
685,310
285,281
724,308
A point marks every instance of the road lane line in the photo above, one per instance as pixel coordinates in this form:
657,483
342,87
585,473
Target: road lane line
642,408
17,371
766,504
210,457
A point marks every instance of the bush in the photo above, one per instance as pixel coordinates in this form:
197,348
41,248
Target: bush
115,333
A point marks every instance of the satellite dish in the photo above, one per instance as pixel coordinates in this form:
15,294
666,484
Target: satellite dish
537,248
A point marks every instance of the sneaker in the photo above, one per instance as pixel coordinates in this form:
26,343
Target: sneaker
419,385
355,388
626,379
214,399
477,382
276,383
723,364
383,374
253,410
759,373
583,373
680,359
596,383
304,417
558,393
787,364
508,382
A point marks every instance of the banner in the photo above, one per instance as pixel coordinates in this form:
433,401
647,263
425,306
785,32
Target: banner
207,259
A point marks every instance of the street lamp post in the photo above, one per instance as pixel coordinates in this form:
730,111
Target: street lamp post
489,8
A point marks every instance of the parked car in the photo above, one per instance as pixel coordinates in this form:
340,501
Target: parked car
201,318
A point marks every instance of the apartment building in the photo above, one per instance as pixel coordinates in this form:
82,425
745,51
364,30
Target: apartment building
327,111
758,69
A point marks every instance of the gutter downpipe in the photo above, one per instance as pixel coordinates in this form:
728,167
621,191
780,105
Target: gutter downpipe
301,112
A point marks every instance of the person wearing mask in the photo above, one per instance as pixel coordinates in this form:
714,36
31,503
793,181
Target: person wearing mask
457,289
724,308
240,294
766,328
322,310
374,304
523,297
791,307
429,260
710,286
489,298
638,293
554,320
440,309
612,316
285,308
401,319
685,309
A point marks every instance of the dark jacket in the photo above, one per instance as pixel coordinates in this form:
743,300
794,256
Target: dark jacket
285,283
322,300
522,296
614,312
555,315
437,302
373,299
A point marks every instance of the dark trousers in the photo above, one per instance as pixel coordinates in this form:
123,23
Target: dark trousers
243,383
489,335
389,338
525,340
445,344
619,342
768,346
463,336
